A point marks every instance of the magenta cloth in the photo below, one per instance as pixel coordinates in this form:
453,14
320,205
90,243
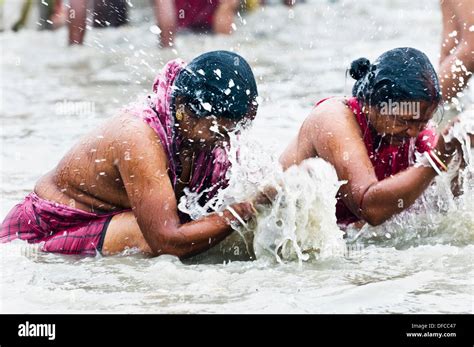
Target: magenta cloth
61,229
196,14
210,167
387,159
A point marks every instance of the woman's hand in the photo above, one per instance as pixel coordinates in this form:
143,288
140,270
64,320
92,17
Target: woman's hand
266,196
245,210
445,149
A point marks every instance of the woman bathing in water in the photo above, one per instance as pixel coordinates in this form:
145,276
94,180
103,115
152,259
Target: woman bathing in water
118,187
367,137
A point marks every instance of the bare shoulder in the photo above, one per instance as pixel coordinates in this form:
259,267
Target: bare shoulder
135,142
329,118
331,110
130,128
127,131
318,131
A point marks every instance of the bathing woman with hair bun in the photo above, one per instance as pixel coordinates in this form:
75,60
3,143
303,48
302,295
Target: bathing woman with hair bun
368,137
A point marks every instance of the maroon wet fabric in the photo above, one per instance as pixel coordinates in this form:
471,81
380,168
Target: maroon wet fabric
196,14
61,229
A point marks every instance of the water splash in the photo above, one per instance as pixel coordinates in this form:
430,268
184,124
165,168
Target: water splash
300,224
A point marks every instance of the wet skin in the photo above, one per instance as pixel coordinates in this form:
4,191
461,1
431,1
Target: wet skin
122,165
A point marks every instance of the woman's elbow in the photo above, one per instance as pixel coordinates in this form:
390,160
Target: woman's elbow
374,221
373,218
169,250
370,209
166,242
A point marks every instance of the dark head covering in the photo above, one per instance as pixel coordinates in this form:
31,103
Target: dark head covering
218,83
400,74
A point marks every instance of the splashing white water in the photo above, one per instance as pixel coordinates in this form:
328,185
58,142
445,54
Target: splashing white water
301,222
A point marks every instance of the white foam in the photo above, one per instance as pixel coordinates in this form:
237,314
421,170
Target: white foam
301,223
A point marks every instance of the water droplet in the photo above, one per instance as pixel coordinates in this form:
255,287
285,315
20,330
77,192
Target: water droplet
207,106
155,30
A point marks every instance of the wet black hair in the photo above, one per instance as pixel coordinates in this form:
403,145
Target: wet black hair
401,74
219,83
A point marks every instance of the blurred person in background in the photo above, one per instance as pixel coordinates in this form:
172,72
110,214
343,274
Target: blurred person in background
52,14
457,48
195,15
106,13
215,16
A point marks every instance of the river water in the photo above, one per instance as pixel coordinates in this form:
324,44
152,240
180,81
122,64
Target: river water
418,262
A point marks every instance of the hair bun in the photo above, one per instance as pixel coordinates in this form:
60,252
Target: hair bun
359,68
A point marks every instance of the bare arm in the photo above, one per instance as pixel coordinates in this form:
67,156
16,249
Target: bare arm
337,138
451,83
153,200
449,25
